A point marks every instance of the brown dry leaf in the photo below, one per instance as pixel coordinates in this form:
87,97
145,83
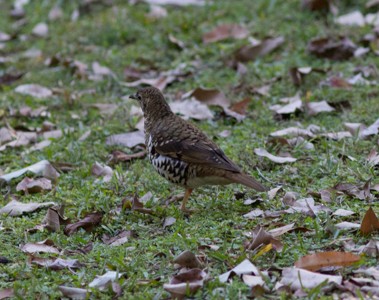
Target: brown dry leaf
9,78
16,208
298,279
55,264
119,239
241,106
262,237
54,218
276,159
307,206
119,156
225,31
30,185
191,108
87,223
336,82
373,129
316,261
34,90
187,282
100,170
187,259
347,225
316,5
314,108
370,222
333,48
251,52
6,293
136,205
272,193
23,138
73,293
99,72
209,97
26,111
6,135
281,230
254,214
130,139
46,246
244,268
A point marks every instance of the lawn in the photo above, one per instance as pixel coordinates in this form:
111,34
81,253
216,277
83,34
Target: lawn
91,53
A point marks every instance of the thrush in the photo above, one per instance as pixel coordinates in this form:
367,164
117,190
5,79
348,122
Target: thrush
182,153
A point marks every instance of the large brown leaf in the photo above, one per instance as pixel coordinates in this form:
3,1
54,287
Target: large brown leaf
370,222
316,261
225,31
87,223
333,48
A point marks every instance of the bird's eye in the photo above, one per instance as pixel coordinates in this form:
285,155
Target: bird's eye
139,97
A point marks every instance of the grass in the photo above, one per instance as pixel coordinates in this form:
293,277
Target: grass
121,36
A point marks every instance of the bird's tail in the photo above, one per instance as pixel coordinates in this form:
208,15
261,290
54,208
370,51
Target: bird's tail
247,181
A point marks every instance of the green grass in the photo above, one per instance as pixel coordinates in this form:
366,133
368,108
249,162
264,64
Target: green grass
122,36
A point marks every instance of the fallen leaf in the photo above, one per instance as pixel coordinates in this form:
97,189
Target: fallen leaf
187,259
55,264
254,214
176,2
314,108
5,135
169,221
241,106
276,159
337,135
209,97
251,52
333,48
244,268
316,261
117,240
191,108
87,223
55,13
373,129
225,31
34,90
272,193
343,212
100,170
46,246
41,168
9,78
252,281
30,185
130,139
262,237
187,282
23,138
4,37
73,293
6,293
292,107
41,30
54,218
16,208
104,281
347,225
297,278
118,156
354,18
157,12
307,206
373,158
293,131
281,230
370,222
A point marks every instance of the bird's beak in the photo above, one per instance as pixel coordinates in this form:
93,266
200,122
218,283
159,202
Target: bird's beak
133,97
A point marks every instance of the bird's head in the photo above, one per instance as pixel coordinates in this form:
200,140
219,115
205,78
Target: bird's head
152,102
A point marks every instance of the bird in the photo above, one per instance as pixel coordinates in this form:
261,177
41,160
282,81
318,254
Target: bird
181,152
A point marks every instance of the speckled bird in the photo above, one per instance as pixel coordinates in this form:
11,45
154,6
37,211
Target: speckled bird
182,153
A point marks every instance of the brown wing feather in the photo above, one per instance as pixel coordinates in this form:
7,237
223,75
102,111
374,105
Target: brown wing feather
191,145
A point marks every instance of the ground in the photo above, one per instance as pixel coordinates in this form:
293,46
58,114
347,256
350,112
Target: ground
118,35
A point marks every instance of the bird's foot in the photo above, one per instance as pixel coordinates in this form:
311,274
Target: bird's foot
174,198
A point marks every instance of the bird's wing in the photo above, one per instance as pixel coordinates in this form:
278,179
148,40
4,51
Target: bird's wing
193,146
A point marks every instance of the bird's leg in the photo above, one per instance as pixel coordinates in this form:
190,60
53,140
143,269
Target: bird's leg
185,199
